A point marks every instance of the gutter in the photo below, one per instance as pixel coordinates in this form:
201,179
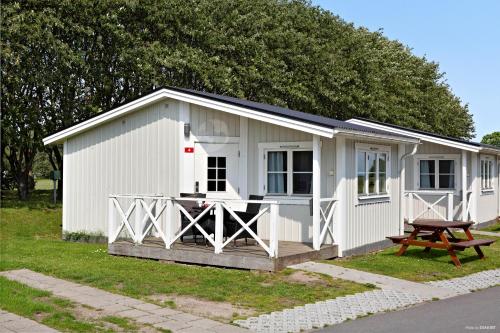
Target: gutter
402,187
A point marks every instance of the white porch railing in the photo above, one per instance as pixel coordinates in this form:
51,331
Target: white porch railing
428,205
326,218
163,213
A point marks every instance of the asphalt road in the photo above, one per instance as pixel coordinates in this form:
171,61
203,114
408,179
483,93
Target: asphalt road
475,312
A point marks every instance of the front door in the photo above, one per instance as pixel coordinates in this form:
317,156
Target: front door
216,170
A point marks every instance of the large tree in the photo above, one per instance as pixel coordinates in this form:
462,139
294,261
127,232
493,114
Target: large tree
63,61
492,139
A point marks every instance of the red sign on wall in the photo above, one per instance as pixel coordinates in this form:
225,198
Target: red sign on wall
189,149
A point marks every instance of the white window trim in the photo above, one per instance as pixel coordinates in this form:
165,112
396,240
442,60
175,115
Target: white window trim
371,148
266,147
458,175
487,158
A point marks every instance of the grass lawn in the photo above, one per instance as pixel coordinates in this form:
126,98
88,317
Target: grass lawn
55,312
493,228
415,265
30,237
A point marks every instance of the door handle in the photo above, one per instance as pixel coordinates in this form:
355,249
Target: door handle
196,186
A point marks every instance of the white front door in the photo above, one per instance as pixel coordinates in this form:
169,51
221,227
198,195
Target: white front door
216,170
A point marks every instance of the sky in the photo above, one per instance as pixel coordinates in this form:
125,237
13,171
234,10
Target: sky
462,36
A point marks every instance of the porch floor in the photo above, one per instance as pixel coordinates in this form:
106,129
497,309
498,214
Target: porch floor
250,256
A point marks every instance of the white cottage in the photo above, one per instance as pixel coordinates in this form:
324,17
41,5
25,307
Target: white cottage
448,178
321,187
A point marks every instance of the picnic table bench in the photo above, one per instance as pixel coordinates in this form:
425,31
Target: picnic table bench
432,235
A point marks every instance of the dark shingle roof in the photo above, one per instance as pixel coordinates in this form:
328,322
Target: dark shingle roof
288,113
467,142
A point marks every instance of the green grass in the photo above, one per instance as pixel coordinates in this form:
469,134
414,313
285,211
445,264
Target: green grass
415,265
493,228
30,238
43,307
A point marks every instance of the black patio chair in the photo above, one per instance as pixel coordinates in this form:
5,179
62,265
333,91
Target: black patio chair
194,210
232,226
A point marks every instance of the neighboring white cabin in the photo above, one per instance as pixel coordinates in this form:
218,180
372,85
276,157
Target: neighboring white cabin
451,173
148,148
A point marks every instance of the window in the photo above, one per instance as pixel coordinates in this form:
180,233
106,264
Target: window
372,171
216,174
486,174
277,172
289,172
436,174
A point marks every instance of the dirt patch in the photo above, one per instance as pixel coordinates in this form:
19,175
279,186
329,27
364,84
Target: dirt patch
306,278
222,311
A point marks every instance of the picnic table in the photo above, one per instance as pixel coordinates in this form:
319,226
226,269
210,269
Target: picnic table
437,234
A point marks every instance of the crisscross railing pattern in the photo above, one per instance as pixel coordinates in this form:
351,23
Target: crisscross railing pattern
161,214
326,218
428,205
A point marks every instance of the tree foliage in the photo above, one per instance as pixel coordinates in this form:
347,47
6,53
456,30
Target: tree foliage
64,60
492,139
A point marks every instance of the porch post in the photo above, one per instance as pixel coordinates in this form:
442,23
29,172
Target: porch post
316,185
474,176
464,185
219,217
340,222
402,181
169,222
138,220
111,220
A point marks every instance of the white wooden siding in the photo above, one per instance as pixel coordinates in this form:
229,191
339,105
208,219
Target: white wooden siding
370,221
209,122
487,201
134,154
428,148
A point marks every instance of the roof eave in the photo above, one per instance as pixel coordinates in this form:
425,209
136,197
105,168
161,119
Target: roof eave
422,137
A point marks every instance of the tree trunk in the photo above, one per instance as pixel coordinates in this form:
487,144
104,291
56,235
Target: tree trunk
23,188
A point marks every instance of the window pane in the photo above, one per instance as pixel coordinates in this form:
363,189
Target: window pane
361,162
302,161
221,174
427,166
211,186
221,162
446,166
302,183
371,162
427,181
371,183
382,183
212,162
211,173
361,184
382,163
221,185
446,181
276,183
276,161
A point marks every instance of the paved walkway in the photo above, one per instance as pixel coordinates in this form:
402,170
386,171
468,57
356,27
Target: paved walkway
10,322
394,294
485,233
381,281
122,306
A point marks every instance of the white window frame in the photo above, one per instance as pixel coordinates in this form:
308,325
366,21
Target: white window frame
373,148
488,181
437,158
289,147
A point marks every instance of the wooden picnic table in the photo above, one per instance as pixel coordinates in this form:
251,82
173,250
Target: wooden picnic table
437,234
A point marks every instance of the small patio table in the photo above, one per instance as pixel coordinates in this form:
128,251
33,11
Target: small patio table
433,235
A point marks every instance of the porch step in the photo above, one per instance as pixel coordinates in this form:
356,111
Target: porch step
475,242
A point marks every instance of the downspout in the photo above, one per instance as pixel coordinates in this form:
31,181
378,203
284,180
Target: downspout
402,187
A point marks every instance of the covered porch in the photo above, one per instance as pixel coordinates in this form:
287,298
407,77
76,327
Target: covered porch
161,228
